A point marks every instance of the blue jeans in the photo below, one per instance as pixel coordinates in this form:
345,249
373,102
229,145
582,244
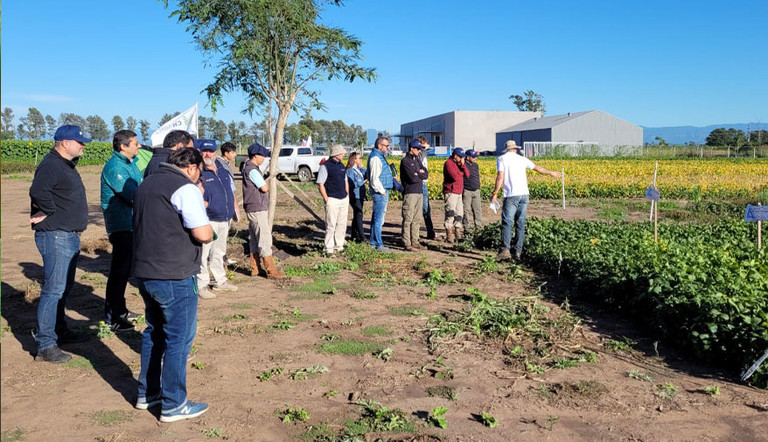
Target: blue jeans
60,251
377,217
513,211
427,210
171,314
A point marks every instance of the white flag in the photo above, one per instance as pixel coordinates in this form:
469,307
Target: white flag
309,141
186,120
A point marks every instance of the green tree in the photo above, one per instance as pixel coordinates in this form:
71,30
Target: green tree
725,137
274,51
52,125
144,129
8,129
68,118
202,126
233,130
130,124
34,124
22,132
97,128
758,137
118,123
530,101
166,117
218,129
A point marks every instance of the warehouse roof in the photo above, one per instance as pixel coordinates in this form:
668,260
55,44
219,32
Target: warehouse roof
545,122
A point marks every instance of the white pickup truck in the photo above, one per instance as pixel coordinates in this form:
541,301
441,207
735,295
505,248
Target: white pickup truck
296,160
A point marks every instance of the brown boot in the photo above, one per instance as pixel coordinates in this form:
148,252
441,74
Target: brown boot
449,236
256,268
459,233
269,265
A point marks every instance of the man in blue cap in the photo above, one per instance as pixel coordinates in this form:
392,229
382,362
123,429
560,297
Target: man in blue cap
221,208
59,213
471,197
413,173
256,205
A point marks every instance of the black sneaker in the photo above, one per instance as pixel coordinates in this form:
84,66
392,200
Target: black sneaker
53,355
121,325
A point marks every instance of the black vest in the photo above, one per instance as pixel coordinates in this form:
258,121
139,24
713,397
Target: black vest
473,182
335,184
254,200
162,247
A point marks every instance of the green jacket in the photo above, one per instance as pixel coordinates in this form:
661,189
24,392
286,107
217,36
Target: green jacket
119,180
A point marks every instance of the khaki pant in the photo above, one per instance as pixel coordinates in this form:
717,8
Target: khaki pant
213,256
472,206
336,214
412,216
454,211
259,233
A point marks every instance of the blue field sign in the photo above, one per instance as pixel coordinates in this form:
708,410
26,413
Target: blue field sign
652,193
756,213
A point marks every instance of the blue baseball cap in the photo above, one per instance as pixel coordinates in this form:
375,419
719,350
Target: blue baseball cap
459,152
202,144
472,153
70,132
415,144
258,149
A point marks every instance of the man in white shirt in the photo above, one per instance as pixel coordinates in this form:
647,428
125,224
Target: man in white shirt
380,182
511,170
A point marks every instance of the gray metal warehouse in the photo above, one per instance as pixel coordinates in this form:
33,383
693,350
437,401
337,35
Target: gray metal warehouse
591,132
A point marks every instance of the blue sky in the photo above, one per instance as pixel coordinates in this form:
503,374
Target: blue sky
652,63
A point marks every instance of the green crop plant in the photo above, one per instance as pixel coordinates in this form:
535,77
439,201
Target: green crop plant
488,420
269,374
212,432
640,376
666,391
308,372
294,414
437,417
623,345
383,354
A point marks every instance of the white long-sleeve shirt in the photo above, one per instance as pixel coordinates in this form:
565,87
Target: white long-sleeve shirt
375,173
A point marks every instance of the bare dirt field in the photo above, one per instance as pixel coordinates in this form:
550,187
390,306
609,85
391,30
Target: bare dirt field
342,333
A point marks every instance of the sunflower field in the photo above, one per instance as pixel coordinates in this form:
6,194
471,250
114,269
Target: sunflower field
629,177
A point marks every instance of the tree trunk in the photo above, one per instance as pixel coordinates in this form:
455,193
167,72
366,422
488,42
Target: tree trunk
277,144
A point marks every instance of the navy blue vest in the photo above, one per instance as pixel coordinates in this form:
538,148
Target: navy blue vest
335,184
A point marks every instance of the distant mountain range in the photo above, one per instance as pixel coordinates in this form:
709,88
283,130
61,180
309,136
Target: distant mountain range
683,134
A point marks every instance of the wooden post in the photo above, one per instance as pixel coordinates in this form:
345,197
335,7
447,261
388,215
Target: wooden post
320,221
562,176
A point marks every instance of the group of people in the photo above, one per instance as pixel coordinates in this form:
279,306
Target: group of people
342,186
169,224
